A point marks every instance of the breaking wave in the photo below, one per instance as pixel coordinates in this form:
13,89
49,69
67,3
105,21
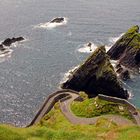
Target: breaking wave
68,74
49,25
112,40
86,49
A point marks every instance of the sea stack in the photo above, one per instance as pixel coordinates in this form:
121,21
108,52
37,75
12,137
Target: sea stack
96,76
127,49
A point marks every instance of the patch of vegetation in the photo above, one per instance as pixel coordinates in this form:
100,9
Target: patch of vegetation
54,126
95,107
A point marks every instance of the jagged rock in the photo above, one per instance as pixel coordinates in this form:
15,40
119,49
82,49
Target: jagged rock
57,20
8,41
125,75
96,76
127,49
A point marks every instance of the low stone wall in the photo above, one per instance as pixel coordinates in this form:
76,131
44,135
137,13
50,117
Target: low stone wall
118,100
63,95
65,98
131,108
59,95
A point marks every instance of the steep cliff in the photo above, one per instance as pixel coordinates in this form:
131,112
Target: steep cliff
96,76
127,49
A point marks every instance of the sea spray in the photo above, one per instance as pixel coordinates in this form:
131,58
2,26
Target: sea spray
49,25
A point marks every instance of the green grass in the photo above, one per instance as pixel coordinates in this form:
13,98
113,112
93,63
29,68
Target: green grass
95,107
54,126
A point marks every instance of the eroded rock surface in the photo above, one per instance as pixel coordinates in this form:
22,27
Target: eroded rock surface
127,49
96,76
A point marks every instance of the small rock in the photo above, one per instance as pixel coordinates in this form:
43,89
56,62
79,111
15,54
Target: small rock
8,41
57,20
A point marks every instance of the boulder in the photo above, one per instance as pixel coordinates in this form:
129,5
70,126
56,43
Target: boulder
57,20
127,49
9,41
96,76
19,39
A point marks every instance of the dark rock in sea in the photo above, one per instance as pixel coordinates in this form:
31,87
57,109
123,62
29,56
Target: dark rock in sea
124,75
8,41
89,45
19,39
2,48
127,49
57,20
96,76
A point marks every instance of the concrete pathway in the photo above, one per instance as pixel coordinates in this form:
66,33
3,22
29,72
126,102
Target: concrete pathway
66,110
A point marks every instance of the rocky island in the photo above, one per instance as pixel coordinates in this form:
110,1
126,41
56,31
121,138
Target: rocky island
96,76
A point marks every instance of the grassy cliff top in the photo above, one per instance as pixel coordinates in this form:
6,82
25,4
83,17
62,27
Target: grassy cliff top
54,126
96,107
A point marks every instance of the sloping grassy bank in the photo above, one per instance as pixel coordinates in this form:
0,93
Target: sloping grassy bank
96,107
54,126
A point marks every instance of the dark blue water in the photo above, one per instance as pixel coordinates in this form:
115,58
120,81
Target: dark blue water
37,66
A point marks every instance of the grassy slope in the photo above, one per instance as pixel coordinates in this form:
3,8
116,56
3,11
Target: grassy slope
55,126
95,107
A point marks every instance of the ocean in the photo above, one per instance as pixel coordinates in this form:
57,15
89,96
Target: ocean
35,67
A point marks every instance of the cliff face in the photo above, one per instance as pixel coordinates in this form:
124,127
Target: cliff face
127,49
96,76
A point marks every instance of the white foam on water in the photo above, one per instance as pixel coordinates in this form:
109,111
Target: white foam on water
113,62
68,74
112,40
6,52
16,44
87,49
49,25
107,48
131,95
4,55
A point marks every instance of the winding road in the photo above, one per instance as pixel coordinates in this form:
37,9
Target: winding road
65,98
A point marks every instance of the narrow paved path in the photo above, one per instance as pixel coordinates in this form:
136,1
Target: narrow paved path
49,103
66,110
66,97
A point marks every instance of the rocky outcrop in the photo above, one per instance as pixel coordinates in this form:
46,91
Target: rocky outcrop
9,41
57,20
96,76
127,49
